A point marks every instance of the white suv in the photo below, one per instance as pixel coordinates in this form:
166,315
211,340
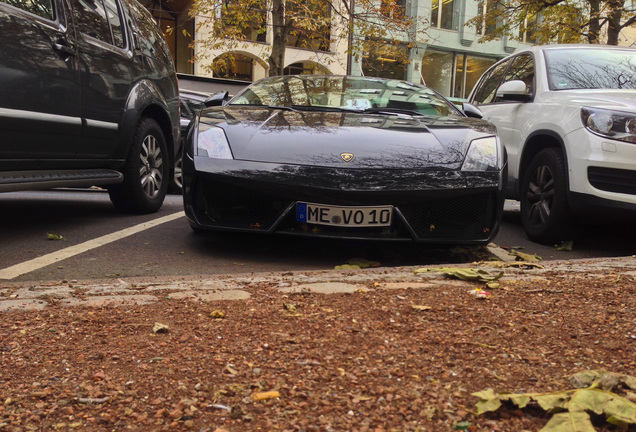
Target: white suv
566,115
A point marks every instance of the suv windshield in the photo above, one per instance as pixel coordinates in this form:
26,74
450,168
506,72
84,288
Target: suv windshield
591,68
358,94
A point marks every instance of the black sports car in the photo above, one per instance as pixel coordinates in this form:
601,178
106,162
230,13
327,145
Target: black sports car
343,156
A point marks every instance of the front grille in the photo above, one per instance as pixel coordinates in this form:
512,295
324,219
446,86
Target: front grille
435,215
613,180
468,216
229,205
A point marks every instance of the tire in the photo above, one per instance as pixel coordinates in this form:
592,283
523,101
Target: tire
545,214
146,172
176,185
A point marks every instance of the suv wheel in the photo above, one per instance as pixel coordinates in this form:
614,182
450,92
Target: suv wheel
545,214
145,172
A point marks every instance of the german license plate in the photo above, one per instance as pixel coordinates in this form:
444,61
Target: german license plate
344,216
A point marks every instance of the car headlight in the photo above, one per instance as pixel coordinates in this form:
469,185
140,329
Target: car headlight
212,142
616,125
483,155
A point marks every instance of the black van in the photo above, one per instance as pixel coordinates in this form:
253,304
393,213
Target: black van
88,97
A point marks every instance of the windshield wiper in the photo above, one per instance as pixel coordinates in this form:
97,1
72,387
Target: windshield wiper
386,110
318,108
282,107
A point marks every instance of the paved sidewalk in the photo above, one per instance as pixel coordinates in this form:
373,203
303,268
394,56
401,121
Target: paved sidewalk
137,291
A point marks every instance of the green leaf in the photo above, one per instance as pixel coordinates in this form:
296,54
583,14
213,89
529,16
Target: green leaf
520,400
50,236
462,425
565,246
488,405
552,401
577,421
463,273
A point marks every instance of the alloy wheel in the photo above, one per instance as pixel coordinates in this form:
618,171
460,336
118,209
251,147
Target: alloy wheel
540,195
150,171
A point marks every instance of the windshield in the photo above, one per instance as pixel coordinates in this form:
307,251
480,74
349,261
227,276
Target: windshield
591,68
338,93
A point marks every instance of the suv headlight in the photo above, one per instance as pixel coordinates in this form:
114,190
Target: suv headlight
616,125
212,142
483,155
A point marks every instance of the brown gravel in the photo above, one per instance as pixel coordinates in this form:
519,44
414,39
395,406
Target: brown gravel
366,361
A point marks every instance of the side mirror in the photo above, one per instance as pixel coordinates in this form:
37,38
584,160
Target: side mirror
472,111
515,90
216,99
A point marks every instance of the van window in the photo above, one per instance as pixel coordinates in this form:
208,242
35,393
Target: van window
100,19
43,8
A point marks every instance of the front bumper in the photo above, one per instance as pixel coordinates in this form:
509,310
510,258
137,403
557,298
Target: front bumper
602,169
434,206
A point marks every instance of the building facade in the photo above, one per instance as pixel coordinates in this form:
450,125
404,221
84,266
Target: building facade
448,56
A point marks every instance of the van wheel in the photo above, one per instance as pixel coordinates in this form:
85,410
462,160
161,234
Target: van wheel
545,213
176,185
146,172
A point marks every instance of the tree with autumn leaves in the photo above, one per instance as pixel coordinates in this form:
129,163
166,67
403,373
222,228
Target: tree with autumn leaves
357,25
562,21
365,26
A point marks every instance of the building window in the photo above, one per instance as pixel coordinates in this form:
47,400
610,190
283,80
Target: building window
318,39
248,16
384,60
233,66
453,74
487,9
305,68
526,31
445,14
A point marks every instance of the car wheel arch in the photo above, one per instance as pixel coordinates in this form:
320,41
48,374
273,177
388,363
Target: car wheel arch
145,100
535,143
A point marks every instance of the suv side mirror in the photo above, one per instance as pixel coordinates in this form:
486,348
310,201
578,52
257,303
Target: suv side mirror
216,99
472,111
515,90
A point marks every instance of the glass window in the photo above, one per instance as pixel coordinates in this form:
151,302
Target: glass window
488,85
591,68
485,8
445,14
522,68
320,93
385,60
233,66
43,8
475,68
317,38
248,16
115,22
91,19
437,71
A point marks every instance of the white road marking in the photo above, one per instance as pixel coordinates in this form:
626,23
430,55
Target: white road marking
48,259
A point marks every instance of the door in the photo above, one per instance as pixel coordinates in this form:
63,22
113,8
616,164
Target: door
106,74
39,85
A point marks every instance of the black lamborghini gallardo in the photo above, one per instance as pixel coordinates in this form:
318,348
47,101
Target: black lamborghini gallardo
347,157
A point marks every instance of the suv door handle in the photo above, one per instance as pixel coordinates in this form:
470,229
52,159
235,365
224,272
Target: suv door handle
63,47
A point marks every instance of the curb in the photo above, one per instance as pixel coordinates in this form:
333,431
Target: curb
139,292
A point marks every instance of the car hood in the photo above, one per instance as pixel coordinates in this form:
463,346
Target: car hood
336,139
612,99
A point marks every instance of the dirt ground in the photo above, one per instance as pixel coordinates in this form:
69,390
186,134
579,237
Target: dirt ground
373,360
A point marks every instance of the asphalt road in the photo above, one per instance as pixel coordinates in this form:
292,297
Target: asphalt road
98,242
